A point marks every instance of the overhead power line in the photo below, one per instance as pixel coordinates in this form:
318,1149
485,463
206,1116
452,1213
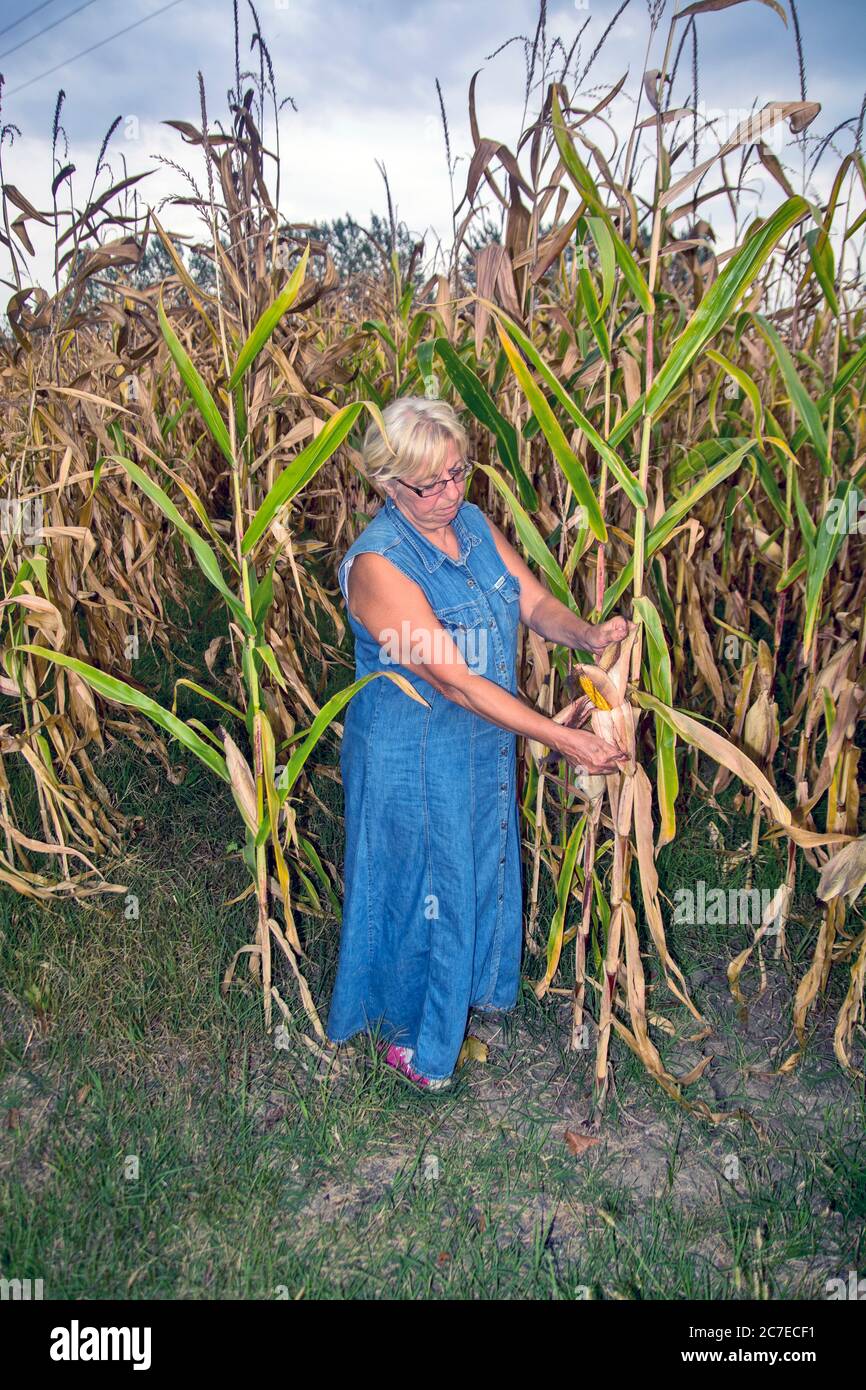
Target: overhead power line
21,19
93,47
39,32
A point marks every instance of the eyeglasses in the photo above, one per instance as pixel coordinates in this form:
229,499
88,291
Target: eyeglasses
458,475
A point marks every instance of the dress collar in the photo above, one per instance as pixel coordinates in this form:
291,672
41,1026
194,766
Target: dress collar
432,556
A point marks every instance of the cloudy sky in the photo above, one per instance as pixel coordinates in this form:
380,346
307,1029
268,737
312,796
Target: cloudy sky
362,76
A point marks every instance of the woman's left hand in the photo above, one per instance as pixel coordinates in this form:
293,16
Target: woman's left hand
596,638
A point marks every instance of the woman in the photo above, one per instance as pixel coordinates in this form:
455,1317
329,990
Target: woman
432,922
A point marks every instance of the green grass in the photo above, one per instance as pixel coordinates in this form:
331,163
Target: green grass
260,1175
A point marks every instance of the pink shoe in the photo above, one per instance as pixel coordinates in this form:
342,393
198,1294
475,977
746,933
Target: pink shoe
400,1057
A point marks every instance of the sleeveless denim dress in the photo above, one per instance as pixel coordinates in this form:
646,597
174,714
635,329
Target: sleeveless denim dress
433,902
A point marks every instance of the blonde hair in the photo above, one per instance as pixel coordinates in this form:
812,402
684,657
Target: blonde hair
419,431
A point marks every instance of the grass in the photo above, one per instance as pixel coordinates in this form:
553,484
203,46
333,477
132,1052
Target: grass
262,1176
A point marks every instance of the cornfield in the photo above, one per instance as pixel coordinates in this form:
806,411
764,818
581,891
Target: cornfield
665,429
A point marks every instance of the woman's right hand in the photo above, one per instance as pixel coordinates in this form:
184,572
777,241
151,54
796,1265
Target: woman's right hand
586,751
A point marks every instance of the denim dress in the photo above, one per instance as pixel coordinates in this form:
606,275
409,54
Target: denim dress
433,902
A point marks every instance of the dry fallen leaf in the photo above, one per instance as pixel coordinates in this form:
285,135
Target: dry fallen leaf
473,1050
578,1143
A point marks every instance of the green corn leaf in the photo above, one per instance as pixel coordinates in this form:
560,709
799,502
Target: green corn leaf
675,513
821,256
377,326
240,414
808,529
531,540
113,689
312,898
206,694
563,893
205,732
424,356
205,558
745,382
170,423
604,245
263,594
564,454
664,599
416,328
309,850
793,573
721,299
189,493
195,386
832,531
626,479
703,456
262,600
788,461
269,320
771,488
593,313
714,311
302,469
406,302
267,655
585,186
845,376
800,399
680,508
271,805
661,685
478,399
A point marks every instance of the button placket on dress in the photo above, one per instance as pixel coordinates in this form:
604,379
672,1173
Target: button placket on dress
502,802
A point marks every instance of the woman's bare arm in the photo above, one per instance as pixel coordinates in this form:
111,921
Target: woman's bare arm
383,599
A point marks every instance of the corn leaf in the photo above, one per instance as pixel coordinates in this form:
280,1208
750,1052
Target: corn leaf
626,479
831,533
269,320
478,399
301,470
583,182
800,399
675,513
113,689
714,311
205,558
563,453
195,385
531,540
661,684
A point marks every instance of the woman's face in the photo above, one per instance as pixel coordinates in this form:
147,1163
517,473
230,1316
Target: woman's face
436,510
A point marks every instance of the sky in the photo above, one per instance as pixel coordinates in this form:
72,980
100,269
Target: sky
361,75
